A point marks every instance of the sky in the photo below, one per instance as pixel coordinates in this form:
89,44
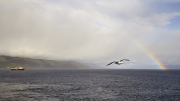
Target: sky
147,32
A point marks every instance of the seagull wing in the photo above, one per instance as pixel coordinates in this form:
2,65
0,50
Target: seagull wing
109,63
121,60
126,59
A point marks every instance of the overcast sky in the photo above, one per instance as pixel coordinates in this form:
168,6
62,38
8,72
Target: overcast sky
92,31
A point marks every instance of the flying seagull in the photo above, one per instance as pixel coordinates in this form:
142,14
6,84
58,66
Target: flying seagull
118,62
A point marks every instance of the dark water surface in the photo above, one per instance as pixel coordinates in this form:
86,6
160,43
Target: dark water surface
89,85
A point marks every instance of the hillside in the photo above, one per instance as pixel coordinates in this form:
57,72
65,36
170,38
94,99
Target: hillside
9,62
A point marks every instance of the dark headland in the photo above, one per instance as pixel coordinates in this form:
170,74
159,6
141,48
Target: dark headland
9,62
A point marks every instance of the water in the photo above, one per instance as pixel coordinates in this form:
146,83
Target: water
89,85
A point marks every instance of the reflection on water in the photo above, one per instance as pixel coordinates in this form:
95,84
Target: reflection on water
89,85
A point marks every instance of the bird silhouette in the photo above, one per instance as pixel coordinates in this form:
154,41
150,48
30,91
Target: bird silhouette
118,62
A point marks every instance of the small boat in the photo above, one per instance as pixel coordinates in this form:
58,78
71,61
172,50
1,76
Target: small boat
17,68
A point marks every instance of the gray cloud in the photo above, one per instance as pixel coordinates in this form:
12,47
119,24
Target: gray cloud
53,33
96,31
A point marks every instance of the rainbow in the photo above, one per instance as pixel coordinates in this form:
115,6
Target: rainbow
138,44
148,53
151,56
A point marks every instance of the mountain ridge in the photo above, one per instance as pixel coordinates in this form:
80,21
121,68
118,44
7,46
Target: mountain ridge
9,62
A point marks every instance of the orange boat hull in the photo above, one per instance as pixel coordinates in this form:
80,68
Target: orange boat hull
17,69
